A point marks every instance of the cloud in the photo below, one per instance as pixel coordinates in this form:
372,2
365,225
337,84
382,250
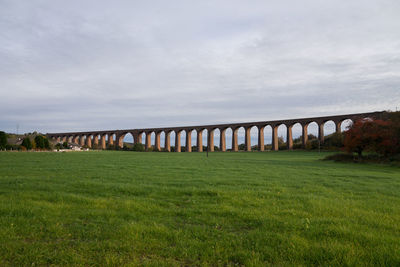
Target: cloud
127,64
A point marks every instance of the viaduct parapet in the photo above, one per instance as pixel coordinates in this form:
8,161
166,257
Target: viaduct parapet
114,138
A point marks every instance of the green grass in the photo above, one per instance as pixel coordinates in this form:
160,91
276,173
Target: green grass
127,208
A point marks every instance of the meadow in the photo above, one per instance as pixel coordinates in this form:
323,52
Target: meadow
113,208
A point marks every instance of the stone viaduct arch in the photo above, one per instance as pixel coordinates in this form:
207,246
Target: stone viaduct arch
114,138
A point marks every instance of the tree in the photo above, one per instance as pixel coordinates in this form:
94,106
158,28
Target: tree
65,145
3,140
394,118
27,143
46,143
39,141
371,135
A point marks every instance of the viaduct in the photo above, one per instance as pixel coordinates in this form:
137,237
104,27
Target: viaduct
102,139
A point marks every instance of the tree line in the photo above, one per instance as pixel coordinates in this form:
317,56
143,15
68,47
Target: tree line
38,142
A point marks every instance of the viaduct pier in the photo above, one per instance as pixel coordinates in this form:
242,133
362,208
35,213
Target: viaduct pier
102,139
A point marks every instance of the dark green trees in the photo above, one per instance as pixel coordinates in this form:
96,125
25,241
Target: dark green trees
42,142
27,143
3,140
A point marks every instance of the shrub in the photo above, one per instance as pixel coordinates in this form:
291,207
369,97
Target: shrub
3,140
46,143
267,147
335,140
138,147
282,146
13,147
340,157
39,141
315,144
27,143
65,145
110,147
308,145
297,146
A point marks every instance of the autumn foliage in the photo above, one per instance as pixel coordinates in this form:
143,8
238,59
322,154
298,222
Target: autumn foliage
371,135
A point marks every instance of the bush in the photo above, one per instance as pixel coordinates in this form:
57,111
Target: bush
371,158
308,145
297,146
26,143
3,140
334,140
267,147
341,157
315,144
40,142
282,146
110,147
46,143
138,147
13,147
65,145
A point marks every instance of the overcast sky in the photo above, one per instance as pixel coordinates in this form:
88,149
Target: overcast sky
92,65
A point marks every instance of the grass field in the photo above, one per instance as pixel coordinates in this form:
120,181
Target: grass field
256,209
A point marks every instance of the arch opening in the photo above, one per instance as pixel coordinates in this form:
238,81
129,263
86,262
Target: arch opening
282,137
313,142
268,137
161,141
254,138
217,136
241,138
194,140
228,139
172,140
329,128
127,141
297,134
345,124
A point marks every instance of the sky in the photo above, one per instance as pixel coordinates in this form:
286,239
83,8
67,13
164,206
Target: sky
96,65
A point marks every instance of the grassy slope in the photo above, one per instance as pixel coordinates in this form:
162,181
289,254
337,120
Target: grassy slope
168,208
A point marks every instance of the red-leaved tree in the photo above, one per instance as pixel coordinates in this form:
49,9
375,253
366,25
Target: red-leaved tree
371,135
